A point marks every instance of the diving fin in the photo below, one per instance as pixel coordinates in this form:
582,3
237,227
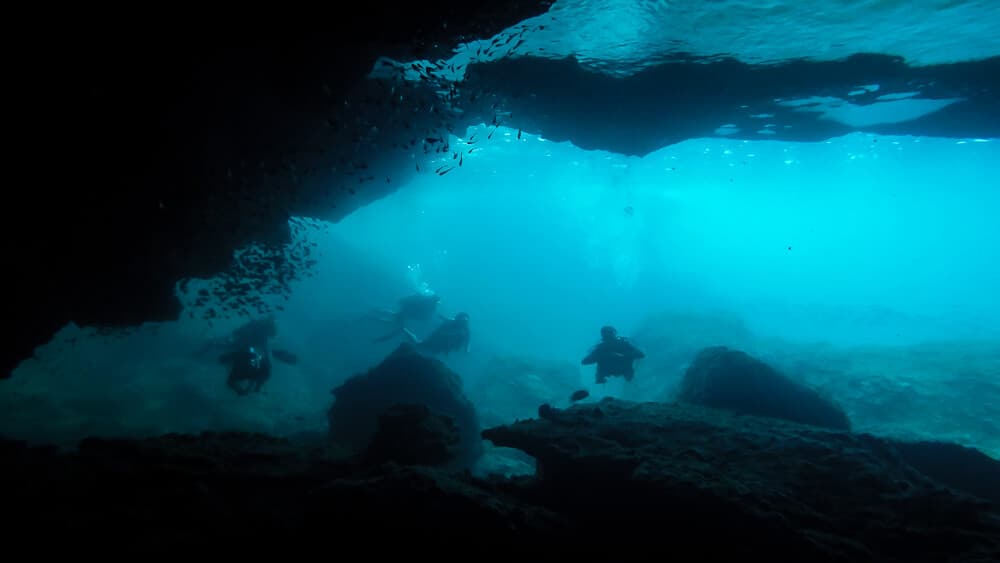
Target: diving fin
286,357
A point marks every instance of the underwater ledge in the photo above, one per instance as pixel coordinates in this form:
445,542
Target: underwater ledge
614,477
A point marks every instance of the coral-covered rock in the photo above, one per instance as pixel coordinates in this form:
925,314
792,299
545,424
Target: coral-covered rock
960,467
615,480
722,484
428,508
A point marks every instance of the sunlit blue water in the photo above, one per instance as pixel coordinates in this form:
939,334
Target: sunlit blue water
865,265
849,241
874,242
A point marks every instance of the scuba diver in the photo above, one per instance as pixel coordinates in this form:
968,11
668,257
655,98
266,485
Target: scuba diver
417,307
450,336
248,354
613,355
250,369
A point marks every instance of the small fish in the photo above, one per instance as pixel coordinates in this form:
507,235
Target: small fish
519,134
579,395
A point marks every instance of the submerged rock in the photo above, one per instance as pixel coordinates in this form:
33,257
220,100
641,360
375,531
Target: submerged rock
241,491
425,507
615,480
960,467
413,435
408,377
722,484
729,379
671,338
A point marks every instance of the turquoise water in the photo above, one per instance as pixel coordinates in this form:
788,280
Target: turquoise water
865,265
848,241
622,37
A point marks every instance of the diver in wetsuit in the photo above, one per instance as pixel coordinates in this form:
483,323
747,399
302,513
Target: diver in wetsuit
247,352
250,369
450,336
417,307
614,356
249,356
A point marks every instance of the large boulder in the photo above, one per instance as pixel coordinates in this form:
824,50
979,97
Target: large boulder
961,467
414,435
404,377
671,338
730,379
